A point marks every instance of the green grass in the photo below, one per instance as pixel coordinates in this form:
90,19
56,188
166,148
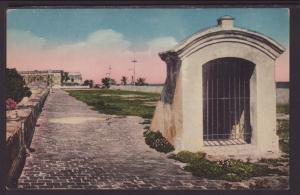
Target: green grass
274,161
283,133
230,170
112,102
283,108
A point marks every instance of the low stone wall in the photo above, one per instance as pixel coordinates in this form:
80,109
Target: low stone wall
150,89
20,125
71,87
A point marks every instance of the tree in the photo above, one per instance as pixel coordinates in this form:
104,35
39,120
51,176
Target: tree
49,80
107,82
88,83
65,77
124,80
140,82
15,85
113,82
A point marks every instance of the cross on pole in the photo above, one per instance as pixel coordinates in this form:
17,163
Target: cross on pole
109,74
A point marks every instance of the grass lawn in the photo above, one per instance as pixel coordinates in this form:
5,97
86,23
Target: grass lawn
119,102
283,133
283,127
283,108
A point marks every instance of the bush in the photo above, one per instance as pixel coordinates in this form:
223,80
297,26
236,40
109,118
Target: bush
15,88
186,156
205,169
241,169
157,141
231,170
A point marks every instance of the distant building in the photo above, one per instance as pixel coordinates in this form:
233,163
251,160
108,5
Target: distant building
75,78
42,77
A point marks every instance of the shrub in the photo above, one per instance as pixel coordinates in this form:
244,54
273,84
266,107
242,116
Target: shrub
231,170
15,85
241,169
157,141
186,156
205,169
107,82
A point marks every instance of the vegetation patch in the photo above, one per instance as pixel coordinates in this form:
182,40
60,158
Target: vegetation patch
230,170
274,161
283,133
15,86
156,141
111,101
283,108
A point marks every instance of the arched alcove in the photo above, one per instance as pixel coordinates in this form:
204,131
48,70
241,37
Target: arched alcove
226,101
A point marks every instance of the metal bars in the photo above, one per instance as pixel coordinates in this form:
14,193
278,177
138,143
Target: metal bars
226,100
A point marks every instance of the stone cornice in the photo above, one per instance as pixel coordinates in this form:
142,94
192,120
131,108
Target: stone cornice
218,34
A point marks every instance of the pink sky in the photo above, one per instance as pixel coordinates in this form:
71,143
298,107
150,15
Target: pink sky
93,56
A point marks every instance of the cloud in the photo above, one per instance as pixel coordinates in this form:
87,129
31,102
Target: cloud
102,40
91,56
24,39
108,39
161,44
100,49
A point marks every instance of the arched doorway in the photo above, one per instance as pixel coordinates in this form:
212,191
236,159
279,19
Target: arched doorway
226,100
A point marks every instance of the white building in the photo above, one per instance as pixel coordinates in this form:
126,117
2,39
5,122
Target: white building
220,93
75,78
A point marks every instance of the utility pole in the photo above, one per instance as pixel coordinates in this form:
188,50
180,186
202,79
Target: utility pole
134,61
109,74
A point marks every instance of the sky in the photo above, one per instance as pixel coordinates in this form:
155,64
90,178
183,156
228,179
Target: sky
91,40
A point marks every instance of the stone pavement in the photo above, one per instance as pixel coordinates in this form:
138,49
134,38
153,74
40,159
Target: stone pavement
79,148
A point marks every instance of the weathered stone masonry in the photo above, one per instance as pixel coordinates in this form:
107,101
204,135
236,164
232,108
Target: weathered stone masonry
20,127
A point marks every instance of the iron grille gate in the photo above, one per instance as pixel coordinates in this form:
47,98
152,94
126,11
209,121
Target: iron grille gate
226,101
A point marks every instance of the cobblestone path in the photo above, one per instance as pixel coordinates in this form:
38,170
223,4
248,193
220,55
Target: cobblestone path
76,147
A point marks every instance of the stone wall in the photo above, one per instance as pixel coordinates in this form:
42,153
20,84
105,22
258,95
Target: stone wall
20,125
71,87
150,89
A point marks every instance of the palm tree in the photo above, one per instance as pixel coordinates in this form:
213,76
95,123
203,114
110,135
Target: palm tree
140,81
124,80
106,82
89,83
65,77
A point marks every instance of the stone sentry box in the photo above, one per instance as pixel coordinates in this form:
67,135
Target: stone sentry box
219,96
